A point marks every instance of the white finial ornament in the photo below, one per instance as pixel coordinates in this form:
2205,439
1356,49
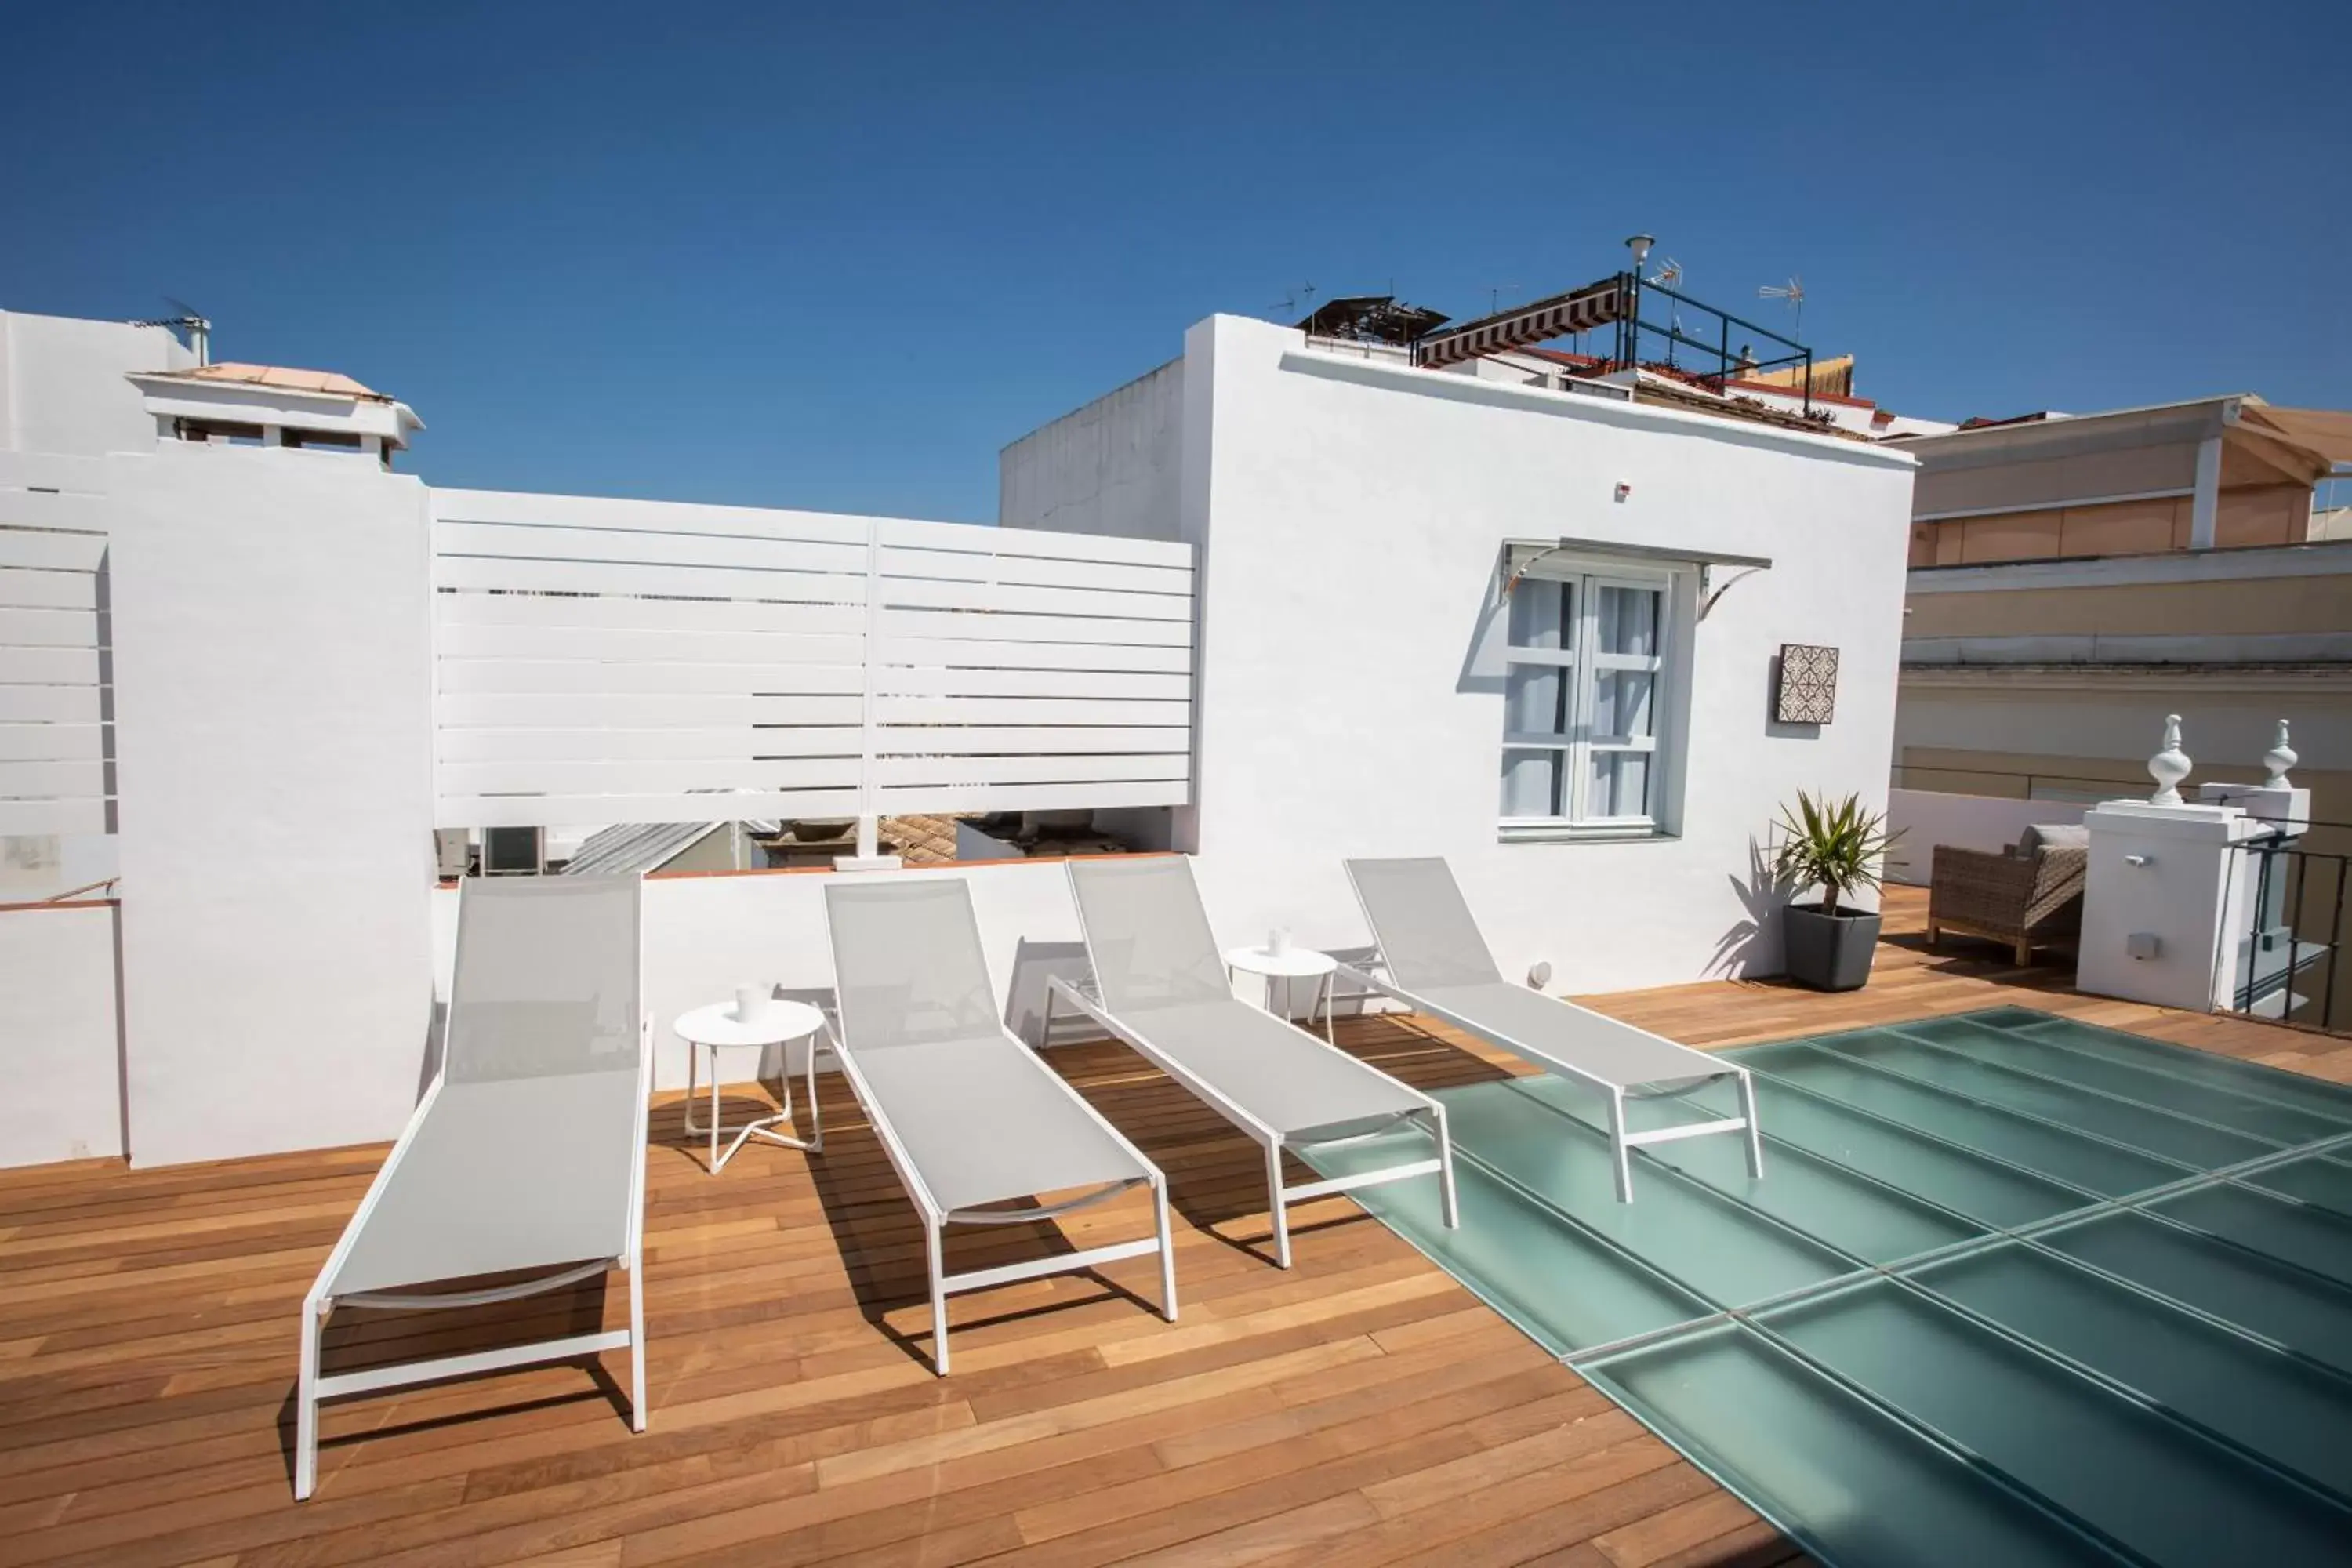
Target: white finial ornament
2168,766
2278,758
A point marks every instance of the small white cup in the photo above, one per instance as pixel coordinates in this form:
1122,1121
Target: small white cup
1278,940
751,1004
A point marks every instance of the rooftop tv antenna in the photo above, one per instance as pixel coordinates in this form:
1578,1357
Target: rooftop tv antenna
1304,294
1669,274
1794,292
189,320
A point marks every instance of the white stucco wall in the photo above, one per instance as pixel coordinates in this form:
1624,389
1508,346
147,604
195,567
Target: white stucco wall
1109,468
273,681
60,1050
61,386
1350,701
706,934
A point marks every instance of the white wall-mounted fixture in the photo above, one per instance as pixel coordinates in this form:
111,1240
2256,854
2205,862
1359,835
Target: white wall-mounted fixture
1624,489
2139,859
2143,945
1539,975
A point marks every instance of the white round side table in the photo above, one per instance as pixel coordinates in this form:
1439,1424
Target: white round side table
715,1029
1291,963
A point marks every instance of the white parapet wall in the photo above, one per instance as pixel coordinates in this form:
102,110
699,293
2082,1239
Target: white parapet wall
1928,818
59,1045
708,933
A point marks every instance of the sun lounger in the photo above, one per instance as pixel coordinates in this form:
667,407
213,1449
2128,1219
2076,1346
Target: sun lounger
972,1119
1436,962
1161,986
527,1154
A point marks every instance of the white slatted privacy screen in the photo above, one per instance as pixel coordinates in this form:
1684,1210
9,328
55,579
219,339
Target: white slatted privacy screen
602,661
56,710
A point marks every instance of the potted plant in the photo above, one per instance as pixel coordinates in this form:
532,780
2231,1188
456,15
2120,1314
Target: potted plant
1837,847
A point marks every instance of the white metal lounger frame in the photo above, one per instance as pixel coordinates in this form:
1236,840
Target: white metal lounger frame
1278,1198
1621,1142
317,1306
937,1217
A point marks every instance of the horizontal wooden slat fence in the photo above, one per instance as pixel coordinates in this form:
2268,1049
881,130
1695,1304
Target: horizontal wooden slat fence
602,661
55,704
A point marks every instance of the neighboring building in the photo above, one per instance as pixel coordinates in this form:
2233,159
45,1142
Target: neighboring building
1530,629
2216,473
2076,578
2052,678
271,406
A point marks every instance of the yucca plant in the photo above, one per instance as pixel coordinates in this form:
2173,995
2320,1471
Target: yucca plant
1835,846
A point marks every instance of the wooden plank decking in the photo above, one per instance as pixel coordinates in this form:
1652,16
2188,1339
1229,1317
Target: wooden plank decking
1360,1409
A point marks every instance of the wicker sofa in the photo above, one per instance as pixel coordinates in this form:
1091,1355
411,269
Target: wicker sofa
2029,895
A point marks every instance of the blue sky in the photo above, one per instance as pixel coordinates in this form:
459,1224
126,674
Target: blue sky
836,257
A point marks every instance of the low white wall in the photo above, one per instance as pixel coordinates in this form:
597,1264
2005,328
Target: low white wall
60,1051
706,934
1928,818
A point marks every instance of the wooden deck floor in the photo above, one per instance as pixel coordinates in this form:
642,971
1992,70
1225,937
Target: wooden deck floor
1361,1408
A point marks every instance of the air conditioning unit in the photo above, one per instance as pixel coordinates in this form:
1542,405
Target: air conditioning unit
513,851
452,852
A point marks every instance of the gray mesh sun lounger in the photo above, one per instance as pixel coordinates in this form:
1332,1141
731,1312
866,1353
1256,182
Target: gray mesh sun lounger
1437,963
1161,986
527,1154
969,1116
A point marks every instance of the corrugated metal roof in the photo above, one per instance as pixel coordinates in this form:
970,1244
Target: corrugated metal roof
630,847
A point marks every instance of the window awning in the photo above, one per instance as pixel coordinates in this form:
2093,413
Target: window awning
1567,557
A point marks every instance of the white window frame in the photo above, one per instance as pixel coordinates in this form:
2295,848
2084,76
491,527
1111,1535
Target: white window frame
1584,661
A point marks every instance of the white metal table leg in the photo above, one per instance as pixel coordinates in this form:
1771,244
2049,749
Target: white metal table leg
716,1163
762,1128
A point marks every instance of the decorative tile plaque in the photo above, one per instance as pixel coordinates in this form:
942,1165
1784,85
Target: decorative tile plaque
1808,690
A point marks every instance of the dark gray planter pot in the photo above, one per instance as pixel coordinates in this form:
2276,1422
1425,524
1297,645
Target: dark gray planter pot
1829,952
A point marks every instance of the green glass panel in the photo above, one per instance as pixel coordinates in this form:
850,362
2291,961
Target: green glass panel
2049,1150
2310,1238
1853,1485
2167,1137
1988,1191
2316,1179
2270,1402
1562,1290
1860,1218
2206,1101
2296,1309
2315,1095
1719,1248
2150,1483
